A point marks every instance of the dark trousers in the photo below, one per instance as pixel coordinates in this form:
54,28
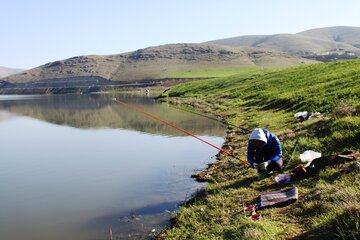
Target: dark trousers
273,166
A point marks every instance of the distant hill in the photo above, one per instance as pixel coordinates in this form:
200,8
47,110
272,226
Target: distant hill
157,62
4,71
325,44
349,35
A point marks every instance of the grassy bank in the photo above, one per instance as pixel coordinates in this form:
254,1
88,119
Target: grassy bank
216,72
328,205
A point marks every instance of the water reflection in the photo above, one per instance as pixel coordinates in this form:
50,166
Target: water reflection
99,111
75,166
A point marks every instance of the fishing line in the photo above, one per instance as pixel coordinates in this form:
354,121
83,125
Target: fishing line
180,129
242,129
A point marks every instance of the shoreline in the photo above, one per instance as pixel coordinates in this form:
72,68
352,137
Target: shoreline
87,85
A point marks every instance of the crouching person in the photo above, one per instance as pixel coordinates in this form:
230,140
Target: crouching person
264,152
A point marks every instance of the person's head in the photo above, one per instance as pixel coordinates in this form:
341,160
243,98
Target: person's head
258,138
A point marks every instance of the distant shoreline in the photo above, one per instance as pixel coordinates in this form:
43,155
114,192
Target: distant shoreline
85,85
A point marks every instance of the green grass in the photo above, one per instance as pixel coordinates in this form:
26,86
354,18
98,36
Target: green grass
215,72
318,87
329,205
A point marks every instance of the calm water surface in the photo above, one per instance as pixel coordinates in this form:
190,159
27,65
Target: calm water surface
74,166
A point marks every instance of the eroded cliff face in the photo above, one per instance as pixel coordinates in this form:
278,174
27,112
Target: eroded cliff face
83,66
84,85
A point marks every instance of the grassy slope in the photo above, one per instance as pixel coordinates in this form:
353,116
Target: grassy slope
215,72
329,204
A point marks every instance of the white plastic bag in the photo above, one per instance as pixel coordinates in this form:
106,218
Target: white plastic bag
301,114
309,155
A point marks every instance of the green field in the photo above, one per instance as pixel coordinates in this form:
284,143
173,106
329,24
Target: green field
216,72
329,205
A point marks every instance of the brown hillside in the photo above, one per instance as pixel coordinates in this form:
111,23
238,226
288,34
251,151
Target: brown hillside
349,35
158,62
4,71
338,40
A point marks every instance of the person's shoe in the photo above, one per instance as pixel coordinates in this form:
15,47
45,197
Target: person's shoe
256,216
250,208
262,166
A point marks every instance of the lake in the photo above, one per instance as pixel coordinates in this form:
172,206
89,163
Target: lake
76,166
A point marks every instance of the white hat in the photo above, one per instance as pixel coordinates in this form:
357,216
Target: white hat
258,134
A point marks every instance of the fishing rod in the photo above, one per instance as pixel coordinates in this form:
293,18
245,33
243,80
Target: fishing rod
242,129
180,129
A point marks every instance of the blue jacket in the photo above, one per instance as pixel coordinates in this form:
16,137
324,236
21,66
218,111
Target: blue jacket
272,150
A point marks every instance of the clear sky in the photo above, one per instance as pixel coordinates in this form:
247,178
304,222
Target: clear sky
34,32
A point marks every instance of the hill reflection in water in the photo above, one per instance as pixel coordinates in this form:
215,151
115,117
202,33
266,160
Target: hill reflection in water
100,111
